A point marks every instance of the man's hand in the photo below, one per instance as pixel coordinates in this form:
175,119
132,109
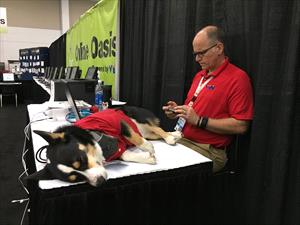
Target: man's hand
188,113
169,109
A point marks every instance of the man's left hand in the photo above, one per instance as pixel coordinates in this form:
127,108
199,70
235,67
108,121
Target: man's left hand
187,113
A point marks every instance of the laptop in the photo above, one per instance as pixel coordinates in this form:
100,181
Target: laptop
78,114
75,73
61,73
92,73
68,72
71,102
54,74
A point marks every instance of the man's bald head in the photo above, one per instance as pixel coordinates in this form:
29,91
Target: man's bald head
208,48
211,33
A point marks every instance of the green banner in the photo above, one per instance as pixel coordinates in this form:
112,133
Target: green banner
92,41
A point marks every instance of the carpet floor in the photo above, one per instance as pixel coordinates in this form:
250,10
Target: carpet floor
12,123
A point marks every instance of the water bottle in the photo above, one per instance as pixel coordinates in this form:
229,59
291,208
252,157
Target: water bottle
99,95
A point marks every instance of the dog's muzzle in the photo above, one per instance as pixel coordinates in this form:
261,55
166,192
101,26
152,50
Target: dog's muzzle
96,176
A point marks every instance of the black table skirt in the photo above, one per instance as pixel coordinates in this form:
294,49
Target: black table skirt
177,196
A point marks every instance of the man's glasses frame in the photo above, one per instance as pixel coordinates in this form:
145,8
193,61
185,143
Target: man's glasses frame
202,53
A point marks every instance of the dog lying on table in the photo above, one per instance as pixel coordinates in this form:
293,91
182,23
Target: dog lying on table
78,152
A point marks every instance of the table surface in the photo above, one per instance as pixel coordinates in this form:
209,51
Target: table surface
10,83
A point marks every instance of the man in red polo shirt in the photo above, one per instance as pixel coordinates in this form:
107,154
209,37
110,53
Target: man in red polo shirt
219,102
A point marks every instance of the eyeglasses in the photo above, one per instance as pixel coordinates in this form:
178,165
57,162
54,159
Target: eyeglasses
202,53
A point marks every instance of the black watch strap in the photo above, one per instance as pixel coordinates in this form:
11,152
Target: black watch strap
203,122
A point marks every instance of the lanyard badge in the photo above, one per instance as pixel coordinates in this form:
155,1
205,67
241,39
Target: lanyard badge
180,124
181,121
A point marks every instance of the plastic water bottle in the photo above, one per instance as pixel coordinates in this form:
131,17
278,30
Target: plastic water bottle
99,95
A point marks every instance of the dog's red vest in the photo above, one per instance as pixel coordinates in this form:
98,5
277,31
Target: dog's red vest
109,122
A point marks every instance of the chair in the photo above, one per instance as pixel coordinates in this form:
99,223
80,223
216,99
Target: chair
231,166
9,90
223,187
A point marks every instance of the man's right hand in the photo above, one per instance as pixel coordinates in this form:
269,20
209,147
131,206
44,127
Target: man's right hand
169,110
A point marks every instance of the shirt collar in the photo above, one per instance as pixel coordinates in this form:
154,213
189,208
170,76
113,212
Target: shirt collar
217,71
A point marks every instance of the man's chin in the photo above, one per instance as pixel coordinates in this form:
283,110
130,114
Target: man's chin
203,67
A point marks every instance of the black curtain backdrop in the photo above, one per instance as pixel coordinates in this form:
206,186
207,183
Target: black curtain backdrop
263,39
57,52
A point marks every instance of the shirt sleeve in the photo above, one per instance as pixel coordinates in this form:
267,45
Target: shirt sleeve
241,99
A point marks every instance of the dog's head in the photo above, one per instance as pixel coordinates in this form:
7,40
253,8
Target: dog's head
72,155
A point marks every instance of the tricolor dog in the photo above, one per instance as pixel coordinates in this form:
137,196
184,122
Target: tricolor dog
78,152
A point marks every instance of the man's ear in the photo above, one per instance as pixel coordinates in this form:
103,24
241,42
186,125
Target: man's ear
50,137
220,48
43,174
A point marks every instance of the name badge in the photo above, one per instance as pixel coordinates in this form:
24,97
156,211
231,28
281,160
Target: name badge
180,124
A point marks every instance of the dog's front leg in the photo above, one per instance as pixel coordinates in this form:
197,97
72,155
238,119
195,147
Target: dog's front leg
170,137
139,157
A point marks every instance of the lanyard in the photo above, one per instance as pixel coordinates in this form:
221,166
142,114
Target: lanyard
201,85
181,121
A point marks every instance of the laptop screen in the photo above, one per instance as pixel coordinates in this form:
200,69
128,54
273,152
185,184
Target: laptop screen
68,72
71,102
8,77
91,73
74,72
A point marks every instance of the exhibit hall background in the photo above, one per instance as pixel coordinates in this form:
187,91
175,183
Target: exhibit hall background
91,41
157,65
30,25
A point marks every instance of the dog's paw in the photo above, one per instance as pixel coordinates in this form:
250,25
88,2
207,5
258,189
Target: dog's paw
176,134
173,137
170,140
147,146
150,158
146,157
140,157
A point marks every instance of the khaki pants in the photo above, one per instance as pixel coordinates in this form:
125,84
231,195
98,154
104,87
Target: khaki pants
218,156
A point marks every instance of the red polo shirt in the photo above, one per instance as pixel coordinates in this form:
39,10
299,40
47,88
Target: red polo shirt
109,122
228,94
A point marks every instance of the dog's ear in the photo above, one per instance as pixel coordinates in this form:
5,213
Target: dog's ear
43,174
50,137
